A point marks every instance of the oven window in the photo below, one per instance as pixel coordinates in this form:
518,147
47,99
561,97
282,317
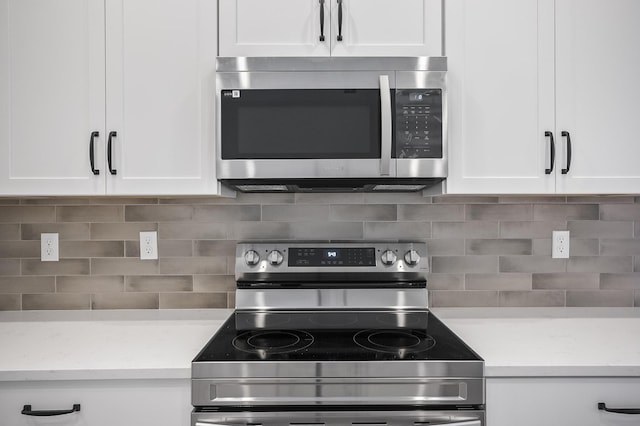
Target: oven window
300,124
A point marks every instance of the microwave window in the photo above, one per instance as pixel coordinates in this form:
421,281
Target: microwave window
301,124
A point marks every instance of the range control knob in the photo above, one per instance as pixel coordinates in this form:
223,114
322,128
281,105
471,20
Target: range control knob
275,257
389,258
251,258
411,258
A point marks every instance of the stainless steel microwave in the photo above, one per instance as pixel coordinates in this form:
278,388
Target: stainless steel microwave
331,124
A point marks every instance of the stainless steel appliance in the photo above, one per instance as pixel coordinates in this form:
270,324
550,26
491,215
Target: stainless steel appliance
335,334
331,124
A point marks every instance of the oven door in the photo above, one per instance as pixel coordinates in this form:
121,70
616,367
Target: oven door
296,125
340,418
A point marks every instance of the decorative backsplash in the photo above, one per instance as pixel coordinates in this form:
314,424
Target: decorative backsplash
484,250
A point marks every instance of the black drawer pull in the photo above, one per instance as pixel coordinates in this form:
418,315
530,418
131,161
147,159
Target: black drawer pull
27,411
321,20
552,147
110,151
91,155
603,407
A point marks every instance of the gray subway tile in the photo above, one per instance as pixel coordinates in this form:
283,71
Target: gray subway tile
123,266
463,299
600,264
617,212
444,247
222,213
9,201
215,248
90,284
158,284
578,247
259,230
464,229
193,231
82,249
125,301
600,298
327,231
89,213
166,248
10,302
368,212
431,212
464,264
27,214
534,298
56,201
557,212
519,229
27,285
120,231
397,230
62,267
611,247
396,198
445,281
465,199
295,213
122,200
9,266
636,299
600,229
53,301
159,213
193,265
600,199
625,281
9,231
213,283
495,246
532,199
193,300
18,249
499,212
65,231
566,280
636,229
531,264
231,299
319,198
504,281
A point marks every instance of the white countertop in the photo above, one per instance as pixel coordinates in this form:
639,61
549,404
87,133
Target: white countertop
161,344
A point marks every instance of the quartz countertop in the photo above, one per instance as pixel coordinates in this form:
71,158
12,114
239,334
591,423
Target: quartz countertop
523,342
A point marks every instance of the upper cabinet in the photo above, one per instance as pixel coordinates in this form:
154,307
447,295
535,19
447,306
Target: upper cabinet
107,97
543,96
330,28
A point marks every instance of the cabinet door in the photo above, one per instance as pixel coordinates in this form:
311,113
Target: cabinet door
160,96
561,401
274,28
501,95
598,64
384,28
51,96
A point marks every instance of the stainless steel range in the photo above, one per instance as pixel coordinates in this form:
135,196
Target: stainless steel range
335,334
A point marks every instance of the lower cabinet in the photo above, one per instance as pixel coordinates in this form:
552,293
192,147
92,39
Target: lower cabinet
102,402
561,401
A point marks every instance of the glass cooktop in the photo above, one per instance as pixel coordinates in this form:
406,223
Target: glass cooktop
334,336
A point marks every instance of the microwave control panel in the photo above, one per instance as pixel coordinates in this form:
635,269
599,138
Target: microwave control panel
418,123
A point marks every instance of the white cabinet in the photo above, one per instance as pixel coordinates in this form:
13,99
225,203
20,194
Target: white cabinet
561,401
366,27
521,72
140,71
102,402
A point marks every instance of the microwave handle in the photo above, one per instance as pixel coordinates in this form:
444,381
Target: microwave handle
386,130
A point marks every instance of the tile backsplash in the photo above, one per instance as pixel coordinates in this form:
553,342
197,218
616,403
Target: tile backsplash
484,250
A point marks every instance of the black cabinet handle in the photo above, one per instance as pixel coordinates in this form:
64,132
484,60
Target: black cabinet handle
91,153
553,152
27,411
339,20
321,20
603,407
566,134
109,152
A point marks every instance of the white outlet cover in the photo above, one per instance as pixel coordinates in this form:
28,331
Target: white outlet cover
148,245
560,245
49,247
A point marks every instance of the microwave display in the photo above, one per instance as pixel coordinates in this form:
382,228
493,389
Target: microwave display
418,123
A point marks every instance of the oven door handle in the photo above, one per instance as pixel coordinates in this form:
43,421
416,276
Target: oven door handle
385,126
454,423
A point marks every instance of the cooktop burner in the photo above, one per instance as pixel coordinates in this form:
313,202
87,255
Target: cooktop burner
343,336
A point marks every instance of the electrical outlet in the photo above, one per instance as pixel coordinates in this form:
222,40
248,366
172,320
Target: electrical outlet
49,251
560,245
149,245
